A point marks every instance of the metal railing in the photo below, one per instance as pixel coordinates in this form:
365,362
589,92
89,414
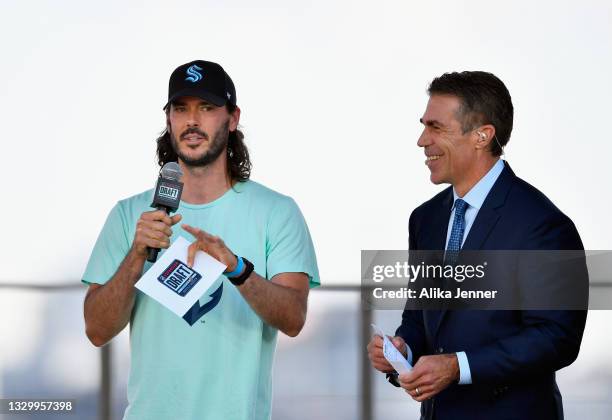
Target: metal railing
105,380
104,397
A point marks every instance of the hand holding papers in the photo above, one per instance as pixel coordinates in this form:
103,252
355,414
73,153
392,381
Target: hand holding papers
174,284
392,354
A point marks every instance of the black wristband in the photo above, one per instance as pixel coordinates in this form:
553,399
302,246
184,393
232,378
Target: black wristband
237,281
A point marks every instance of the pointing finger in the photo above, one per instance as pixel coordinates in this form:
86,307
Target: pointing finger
194,231
208,236
191,251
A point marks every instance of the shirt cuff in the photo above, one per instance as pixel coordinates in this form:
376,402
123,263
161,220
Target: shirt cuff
465,375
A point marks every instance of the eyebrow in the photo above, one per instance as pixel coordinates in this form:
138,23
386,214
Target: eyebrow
430,123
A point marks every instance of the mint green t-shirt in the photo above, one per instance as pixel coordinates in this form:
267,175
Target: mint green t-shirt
221,367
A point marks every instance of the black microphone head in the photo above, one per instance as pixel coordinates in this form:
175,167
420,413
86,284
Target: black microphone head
172,170
169,188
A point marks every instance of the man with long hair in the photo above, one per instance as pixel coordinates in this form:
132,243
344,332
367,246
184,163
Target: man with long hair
220,366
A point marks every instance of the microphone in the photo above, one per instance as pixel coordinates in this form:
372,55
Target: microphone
167,195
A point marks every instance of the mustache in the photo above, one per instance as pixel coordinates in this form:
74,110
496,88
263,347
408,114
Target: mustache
194,130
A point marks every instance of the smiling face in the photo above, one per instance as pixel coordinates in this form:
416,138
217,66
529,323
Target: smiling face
199,130
452,156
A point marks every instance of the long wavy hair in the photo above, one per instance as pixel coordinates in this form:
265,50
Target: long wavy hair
238,161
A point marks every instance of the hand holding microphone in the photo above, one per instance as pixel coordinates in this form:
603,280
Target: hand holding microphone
153,229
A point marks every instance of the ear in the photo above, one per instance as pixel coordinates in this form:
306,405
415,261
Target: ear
484,135
234,119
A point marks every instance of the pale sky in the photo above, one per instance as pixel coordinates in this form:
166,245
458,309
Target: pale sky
331,94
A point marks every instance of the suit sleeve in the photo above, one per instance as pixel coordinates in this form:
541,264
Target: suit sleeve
549,339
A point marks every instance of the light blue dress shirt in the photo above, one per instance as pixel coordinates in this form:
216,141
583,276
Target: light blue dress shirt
474,197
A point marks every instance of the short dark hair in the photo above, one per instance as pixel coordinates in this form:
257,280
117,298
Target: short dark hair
238,160
484,100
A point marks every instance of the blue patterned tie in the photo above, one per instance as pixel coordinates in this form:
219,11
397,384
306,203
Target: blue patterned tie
456,236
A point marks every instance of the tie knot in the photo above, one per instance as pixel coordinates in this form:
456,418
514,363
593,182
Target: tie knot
460,207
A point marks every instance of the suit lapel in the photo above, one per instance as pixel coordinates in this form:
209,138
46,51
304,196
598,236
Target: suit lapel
489,213
439,225
436,240
485,221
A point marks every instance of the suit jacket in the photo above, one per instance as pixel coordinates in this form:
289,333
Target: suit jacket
513,355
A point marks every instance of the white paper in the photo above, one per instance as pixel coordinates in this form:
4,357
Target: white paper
392,354
182,279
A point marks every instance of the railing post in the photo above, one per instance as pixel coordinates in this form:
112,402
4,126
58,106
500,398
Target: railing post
104,403
365,368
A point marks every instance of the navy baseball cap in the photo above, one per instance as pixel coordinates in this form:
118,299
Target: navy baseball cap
202,79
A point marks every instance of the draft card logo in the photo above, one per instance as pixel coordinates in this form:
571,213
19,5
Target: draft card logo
179,277
193,73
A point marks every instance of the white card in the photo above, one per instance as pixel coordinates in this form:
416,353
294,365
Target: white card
392,354
174,284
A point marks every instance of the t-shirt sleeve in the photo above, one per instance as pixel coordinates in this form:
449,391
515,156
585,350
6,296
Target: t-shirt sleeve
289,247
110,249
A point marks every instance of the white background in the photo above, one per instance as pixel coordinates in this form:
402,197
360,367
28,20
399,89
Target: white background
331,93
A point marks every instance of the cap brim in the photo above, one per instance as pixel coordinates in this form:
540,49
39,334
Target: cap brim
198,93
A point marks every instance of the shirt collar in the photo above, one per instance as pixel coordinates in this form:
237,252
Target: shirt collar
476,196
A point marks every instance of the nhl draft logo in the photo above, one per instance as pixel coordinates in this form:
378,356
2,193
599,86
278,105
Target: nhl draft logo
179,277
193,73
168,191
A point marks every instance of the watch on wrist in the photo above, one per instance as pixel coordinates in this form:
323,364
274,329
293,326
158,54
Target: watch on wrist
241,278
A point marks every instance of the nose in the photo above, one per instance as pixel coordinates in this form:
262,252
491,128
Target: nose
424,139
192,120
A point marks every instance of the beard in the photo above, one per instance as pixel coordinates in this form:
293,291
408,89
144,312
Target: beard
217,146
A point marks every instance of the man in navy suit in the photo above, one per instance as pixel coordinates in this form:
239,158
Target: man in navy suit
482,364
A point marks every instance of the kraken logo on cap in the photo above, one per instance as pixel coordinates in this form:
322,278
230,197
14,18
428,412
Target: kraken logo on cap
193,75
